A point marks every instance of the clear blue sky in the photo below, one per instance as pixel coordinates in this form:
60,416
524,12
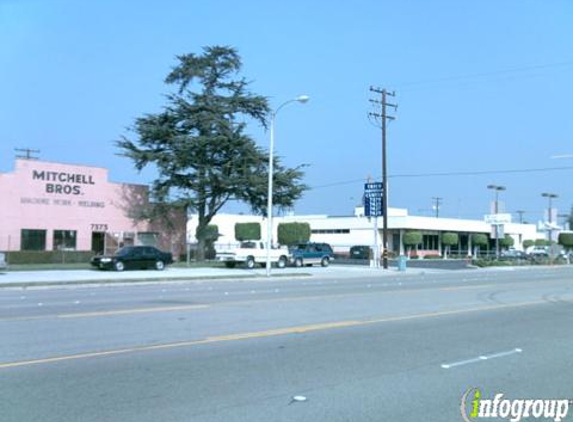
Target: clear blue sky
482,85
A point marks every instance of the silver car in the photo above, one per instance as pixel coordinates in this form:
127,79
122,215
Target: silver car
2,261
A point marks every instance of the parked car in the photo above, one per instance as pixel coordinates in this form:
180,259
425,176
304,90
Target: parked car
360,252
133,257
3,264
539,252
311,253
514,254
252,253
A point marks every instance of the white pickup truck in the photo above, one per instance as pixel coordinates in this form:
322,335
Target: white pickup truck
252,253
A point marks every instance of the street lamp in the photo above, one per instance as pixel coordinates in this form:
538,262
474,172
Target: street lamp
550,196
300,99
497,189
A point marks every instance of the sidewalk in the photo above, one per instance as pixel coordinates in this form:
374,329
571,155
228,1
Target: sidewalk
68,277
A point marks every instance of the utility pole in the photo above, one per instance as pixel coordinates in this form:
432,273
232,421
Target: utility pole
381,118
28,153
438,202
550,196
496,189
520,213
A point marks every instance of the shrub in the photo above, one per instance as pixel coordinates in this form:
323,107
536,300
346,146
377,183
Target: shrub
292,233
479,239
507,241
528,243
449,239
566,240
247,231
48,257
542,242
412,238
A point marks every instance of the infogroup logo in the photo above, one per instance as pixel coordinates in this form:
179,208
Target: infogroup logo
474,407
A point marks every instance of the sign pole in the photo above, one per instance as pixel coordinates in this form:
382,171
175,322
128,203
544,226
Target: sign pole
376,259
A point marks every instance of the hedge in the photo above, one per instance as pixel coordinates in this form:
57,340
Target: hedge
247,231
479,239
566,240
412,238
506,242
450,239
48,257
292,233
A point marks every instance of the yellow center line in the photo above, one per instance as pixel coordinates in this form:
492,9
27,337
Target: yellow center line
132,311
265,333
477,286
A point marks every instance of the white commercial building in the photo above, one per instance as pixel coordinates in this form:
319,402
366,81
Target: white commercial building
343,232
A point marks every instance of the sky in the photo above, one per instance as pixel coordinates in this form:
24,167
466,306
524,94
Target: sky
482,87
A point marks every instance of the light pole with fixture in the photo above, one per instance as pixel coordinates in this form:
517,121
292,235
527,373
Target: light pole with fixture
497,189
550,196
301,99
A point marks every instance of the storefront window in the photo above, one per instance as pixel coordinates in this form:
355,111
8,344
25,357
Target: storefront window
147,238
64,239
430,242
33,240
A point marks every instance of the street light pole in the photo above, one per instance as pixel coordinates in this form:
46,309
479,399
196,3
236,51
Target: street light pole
549,197
301,99
496,189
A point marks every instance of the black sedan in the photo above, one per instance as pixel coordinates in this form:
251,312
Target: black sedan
133,257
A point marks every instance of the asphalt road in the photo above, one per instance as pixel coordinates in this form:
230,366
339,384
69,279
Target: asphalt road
401,348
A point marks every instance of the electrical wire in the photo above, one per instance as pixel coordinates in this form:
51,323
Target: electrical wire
446,174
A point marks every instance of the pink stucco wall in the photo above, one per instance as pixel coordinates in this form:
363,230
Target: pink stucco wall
54,196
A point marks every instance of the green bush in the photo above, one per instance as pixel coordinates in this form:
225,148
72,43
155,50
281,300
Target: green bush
566,240
450,239
492,263
479,239
506,242
48,257
528,243
412,238
247,231
542,242
293,233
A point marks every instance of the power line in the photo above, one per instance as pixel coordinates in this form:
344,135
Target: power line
482,75
445,174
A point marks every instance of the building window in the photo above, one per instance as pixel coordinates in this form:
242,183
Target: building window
330,231
64,239
148,238
430,242
33,240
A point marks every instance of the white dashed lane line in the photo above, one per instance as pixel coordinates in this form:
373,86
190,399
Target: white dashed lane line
481,358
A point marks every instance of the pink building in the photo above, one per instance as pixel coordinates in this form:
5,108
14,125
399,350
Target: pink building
51,206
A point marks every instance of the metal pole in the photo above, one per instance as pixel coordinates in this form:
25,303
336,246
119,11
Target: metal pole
376,259
497,225
301,99
270,196
550,231
385,187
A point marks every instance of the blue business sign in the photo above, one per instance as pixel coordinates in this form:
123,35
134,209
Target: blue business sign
373,193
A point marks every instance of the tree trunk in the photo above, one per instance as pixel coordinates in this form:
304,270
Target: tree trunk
200,234
200,255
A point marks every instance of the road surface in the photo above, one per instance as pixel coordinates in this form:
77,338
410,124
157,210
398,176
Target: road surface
349,348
